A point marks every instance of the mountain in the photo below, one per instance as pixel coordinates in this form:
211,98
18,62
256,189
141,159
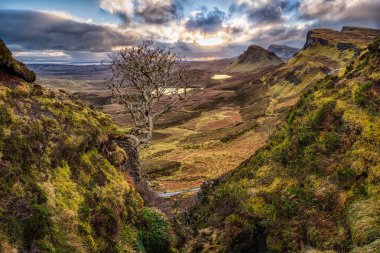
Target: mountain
63,184
283,51
254,58
314,187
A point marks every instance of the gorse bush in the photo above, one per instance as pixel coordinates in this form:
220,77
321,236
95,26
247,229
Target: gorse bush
154,231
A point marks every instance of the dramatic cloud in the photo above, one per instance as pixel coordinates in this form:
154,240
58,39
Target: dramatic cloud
263,11
47,31
206,21
341,10
145,11
198,29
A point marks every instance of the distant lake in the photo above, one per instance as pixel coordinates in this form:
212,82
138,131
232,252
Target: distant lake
221,77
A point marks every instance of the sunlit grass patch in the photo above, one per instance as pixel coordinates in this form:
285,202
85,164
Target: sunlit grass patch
364,220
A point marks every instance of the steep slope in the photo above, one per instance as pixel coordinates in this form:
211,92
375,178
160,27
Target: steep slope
315,186
283,51
62,179
9,65
254,58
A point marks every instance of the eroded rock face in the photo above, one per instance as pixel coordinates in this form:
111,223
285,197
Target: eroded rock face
350,38
312,39
9,64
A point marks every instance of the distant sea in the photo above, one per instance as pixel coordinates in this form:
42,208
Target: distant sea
73,71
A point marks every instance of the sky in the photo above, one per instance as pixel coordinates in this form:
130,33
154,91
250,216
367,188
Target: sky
67,31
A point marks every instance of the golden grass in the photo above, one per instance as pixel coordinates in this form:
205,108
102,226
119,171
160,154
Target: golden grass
364,221
214,119
209,162
313,250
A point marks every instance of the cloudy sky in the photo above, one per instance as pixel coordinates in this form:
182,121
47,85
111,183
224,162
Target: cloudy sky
88,30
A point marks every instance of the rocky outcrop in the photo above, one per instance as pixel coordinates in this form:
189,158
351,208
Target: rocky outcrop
312,39
349,38
283,51
349,46
10,65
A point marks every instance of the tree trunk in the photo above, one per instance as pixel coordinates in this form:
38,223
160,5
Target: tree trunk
150,133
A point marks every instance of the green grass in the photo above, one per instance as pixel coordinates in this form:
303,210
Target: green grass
62,179
314,187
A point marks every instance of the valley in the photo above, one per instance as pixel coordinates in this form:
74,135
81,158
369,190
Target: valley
203,138
175,126
267,153
234,108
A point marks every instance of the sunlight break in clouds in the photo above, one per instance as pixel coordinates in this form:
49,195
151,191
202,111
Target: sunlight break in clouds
210,41
198,29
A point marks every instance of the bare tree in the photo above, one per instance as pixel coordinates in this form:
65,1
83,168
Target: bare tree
150,81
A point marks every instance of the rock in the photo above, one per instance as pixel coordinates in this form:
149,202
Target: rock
349,46
312,39
12,66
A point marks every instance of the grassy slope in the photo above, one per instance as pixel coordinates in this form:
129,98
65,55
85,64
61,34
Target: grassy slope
315,186
61,179
219,139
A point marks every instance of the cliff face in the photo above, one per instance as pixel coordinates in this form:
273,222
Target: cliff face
63,184
254,58
348,37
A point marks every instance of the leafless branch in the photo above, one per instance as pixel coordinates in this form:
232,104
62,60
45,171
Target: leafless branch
150,81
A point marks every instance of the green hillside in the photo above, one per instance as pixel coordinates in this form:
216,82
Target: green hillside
254,58
62,180
315,186
234,117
